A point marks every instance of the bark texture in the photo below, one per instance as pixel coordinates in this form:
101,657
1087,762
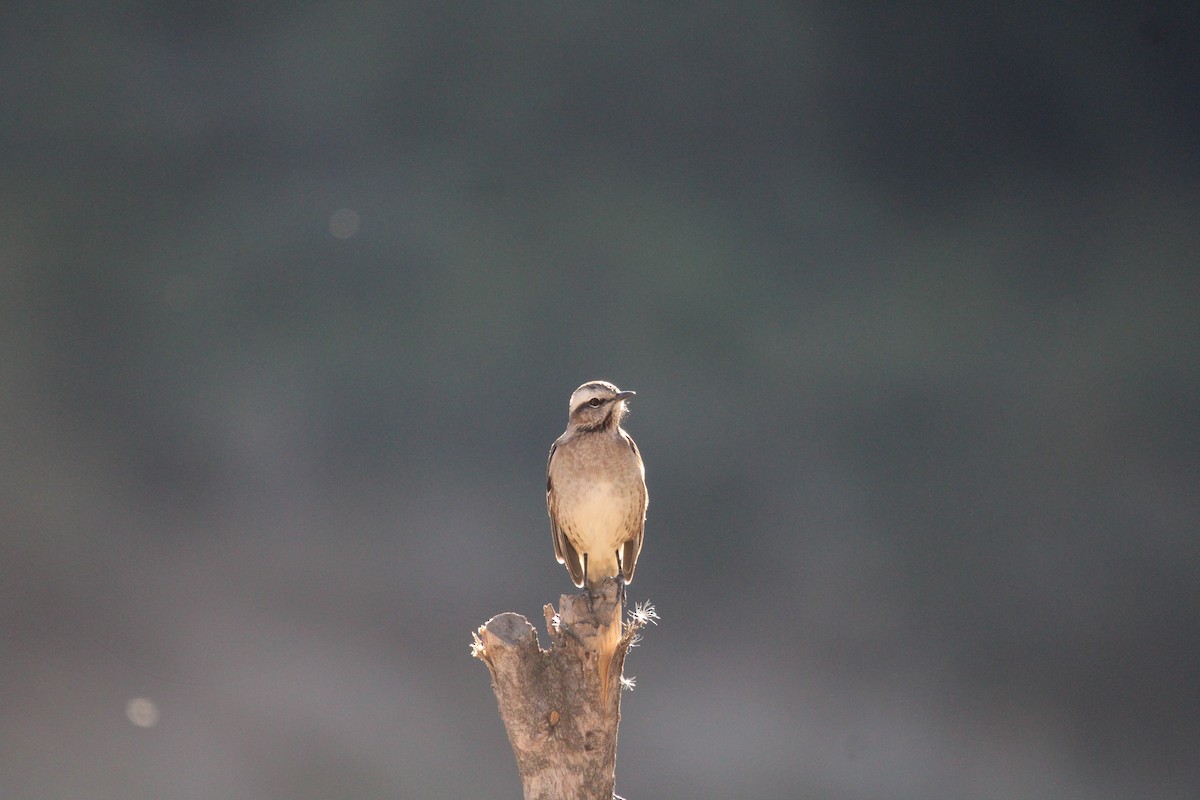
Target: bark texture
561,706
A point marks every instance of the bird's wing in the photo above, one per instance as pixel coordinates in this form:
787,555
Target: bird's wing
563,549
632,547
569,556
558,554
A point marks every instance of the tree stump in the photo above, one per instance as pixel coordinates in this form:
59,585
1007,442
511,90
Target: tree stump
561,707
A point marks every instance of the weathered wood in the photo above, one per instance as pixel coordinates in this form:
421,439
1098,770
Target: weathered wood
561,706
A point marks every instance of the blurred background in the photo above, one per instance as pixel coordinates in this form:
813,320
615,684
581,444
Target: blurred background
293,295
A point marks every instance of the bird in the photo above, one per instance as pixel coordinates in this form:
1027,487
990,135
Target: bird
596,489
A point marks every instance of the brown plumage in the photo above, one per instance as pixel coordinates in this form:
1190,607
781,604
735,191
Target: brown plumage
596,489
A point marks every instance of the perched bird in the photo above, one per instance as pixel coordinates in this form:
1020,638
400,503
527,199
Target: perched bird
596,489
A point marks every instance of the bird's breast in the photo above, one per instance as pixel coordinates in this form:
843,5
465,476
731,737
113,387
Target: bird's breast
599,495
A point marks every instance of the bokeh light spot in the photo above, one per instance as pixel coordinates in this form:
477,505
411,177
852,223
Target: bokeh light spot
142,712
343,223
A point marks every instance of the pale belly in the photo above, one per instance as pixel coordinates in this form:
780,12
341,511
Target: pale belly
598,522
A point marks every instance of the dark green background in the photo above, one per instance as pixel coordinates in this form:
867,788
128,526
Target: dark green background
909,294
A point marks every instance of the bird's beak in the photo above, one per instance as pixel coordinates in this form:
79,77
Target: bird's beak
625,395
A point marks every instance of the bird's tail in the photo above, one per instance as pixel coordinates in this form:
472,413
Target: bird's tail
608,642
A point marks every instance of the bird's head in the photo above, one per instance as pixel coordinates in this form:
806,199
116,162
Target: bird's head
598,405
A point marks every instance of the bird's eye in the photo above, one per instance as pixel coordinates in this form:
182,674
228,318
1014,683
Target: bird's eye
594,402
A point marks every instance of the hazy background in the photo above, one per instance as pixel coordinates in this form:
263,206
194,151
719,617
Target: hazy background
293,295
